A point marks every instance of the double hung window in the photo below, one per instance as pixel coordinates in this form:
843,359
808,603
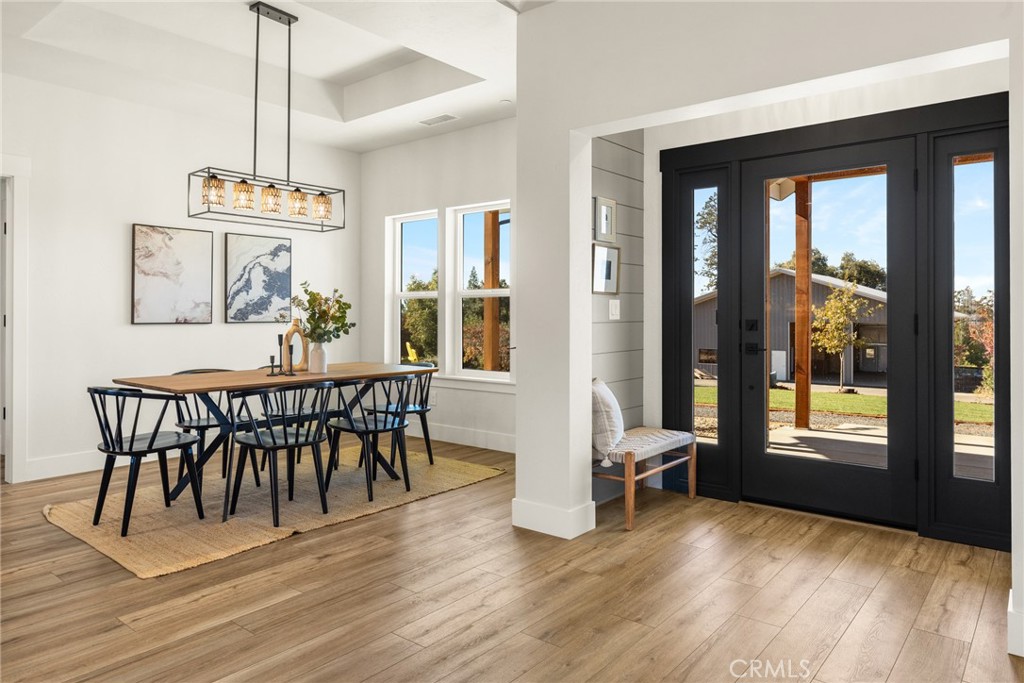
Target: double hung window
453,298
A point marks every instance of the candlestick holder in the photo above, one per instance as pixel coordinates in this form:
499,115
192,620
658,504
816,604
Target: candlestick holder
286,369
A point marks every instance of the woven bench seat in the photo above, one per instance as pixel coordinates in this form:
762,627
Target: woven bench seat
631,448
647,442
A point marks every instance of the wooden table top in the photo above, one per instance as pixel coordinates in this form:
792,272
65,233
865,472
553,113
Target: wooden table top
236,380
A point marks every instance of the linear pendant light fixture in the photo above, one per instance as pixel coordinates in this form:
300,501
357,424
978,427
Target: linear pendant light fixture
262,200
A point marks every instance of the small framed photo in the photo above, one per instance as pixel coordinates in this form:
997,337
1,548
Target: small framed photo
606,269
604,219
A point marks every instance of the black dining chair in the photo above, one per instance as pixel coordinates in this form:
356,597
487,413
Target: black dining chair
358,413
419,404
195,416
279,418
118,413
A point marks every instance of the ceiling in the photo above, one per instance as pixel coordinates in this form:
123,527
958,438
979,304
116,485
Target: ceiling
364,74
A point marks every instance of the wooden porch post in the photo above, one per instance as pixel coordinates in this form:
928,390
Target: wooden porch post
802,362
492,326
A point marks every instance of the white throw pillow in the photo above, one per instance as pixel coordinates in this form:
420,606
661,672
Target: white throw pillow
606,418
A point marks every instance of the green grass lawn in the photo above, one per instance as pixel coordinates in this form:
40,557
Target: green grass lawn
848,404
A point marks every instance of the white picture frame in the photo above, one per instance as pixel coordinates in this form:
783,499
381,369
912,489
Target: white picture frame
606,269
604,219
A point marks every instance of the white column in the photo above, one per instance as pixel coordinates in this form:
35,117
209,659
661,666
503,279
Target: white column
1015,609
553,314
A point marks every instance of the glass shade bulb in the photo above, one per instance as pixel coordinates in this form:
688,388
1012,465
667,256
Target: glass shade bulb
322,207
213,191
243,196
270,199
297,200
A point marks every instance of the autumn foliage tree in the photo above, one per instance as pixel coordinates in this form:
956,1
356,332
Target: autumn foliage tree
833,326
473,327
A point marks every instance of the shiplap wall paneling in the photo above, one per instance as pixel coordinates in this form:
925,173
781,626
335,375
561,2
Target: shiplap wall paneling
618,345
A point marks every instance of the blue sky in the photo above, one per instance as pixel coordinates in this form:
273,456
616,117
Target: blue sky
850,215
420,255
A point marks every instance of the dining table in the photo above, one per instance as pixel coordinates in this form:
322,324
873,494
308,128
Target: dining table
206,384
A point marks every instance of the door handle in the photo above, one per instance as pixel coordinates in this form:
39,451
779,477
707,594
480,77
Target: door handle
752,349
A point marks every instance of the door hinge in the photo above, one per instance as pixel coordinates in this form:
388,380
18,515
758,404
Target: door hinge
915,180
915,324
5,412
917,469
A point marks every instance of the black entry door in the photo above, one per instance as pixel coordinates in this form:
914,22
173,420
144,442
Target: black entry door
827,322
899,414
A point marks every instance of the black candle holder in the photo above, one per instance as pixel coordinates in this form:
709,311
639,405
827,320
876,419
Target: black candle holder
289,372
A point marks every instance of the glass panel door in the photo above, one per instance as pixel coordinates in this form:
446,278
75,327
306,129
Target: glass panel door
967,484
700,335
974,331
828,341
825,330
705,313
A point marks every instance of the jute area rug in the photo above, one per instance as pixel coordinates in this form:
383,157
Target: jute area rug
165,540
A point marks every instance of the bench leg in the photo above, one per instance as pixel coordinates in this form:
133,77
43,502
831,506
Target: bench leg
691,469
641,467
630,472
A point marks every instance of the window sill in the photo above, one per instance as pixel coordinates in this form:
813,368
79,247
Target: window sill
494,386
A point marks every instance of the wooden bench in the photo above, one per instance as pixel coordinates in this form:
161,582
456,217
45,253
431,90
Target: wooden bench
636,447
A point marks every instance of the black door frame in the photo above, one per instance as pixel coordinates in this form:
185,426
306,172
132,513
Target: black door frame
926,124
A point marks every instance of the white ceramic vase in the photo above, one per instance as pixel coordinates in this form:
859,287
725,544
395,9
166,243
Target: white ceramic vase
318,358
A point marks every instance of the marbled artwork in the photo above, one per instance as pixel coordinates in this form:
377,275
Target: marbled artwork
172,275
258,278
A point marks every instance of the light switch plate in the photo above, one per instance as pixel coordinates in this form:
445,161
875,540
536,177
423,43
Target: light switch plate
613,309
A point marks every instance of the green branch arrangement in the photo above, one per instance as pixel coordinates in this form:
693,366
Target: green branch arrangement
323,317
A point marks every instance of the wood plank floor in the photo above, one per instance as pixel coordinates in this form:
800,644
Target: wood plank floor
446,589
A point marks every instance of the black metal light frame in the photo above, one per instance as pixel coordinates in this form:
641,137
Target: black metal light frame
254,216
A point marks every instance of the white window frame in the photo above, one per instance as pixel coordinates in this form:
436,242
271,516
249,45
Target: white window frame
456,295
393,337
449,294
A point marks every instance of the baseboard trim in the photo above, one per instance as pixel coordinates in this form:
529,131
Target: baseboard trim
63,464
553,521
1014,629
495,441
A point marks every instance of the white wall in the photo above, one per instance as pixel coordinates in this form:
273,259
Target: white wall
98,165
671,62
470,166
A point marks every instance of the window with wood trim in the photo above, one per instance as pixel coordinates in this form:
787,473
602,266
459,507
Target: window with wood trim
484,322
452,293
